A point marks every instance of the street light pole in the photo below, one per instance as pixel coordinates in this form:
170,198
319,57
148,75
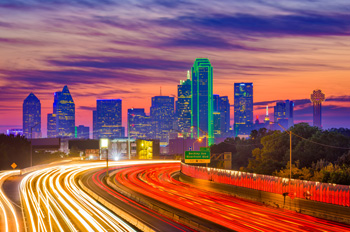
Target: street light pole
198,140
290,151
107,164
31,147
183,147
104,144
129,148
290,155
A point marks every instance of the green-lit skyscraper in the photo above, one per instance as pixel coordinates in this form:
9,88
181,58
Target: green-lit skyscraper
202,100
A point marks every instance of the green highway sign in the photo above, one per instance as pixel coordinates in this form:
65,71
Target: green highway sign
197,156
204,148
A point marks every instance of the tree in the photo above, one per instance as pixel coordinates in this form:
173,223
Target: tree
270,157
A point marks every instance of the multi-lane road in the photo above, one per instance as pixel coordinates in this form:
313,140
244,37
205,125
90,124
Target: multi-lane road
53,200
155,181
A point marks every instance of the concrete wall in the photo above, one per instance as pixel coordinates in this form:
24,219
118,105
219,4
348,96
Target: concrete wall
313,208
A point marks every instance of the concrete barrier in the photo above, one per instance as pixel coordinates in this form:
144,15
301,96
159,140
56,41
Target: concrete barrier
313,208
126,216
168,212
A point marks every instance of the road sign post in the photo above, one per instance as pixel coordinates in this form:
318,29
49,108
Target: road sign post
197,157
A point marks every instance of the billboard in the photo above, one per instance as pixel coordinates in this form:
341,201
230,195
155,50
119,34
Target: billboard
197,156
144,149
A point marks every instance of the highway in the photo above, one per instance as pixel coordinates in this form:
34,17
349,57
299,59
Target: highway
9,219
53,201
156,181
94,180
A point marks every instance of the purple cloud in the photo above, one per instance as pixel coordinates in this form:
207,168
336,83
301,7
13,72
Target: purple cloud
307,24
120,63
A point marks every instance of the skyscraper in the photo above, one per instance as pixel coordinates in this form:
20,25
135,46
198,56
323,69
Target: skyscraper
183,105
283,113
51,125
217,124
82,132
243,114
139,124
65,116
51,118
202,100
267,116
162,116
317,97
56,97
109,119
94,125
222,106
31,117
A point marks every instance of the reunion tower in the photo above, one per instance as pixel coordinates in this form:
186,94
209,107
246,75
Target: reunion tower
317,97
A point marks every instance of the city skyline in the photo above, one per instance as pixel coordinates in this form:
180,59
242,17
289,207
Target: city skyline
257,105
286,49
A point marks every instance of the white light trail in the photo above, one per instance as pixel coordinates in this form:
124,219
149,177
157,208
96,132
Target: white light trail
5,205
52,201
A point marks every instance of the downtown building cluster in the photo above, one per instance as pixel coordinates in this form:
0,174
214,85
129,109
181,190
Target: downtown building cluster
195,113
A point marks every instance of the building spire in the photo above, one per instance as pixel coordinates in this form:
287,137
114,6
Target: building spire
188,74
267,119
160,91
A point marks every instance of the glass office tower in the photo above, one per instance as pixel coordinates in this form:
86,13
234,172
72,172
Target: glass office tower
202,100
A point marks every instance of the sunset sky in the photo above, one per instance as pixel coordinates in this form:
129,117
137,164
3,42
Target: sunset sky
104,49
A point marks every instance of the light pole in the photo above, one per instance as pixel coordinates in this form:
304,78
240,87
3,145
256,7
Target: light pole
205,135
290,151
31,148
129,148
198,140
104,145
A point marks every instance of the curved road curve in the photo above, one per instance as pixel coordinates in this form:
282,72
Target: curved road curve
156,181
95,181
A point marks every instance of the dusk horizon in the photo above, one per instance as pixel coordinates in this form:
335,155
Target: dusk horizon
174,115
128,50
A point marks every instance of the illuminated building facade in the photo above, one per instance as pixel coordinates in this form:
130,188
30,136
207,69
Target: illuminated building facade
267,117
32,117
14,132
283,114
51,118
221,105
202,100
82,132
217,124
162,116
183,105
119,149
65,117
109,119
51,125
243,108
94,125
317,97
144,149
139,124
147,149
